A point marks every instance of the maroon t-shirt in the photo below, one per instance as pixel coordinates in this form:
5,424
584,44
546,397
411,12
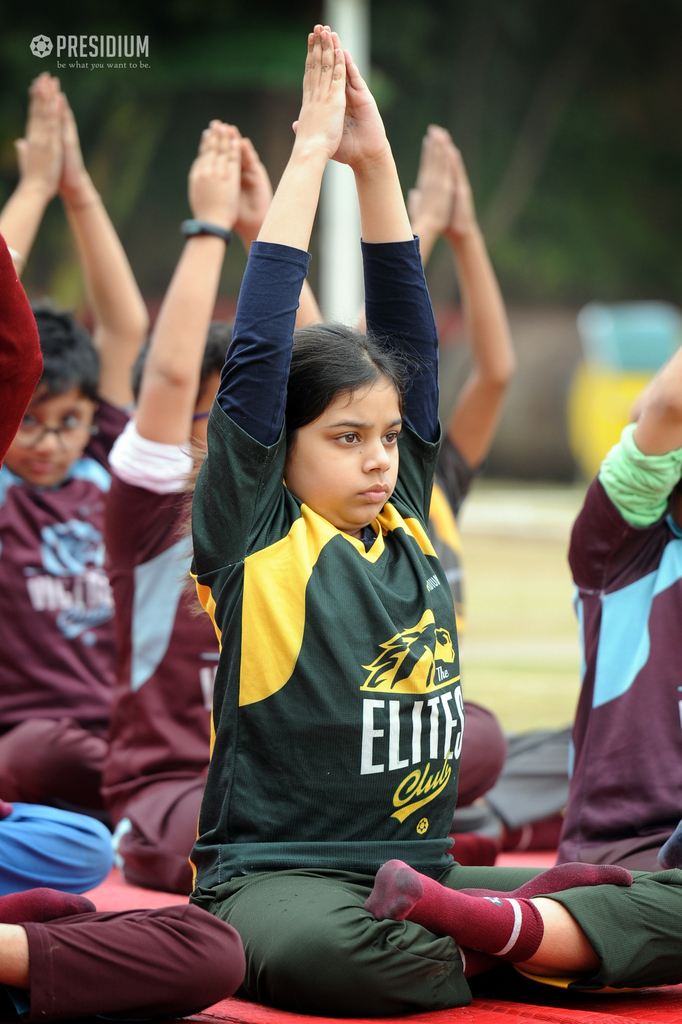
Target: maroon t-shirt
167,654
627,772
56,606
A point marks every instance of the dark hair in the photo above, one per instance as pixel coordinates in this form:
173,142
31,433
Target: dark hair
217,343
329,360
70,360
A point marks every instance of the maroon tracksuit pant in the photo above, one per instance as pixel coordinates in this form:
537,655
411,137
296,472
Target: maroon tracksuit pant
172,961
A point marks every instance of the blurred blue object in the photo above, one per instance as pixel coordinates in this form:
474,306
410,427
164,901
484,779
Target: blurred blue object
45,846
629,335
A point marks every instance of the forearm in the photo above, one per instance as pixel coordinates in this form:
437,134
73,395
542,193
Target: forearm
171,378
427,232
116,300
289,220
474,421
20,219
120,315
382,208
659,427
484,310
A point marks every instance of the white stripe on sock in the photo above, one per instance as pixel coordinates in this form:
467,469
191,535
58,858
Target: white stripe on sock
516,930
463,959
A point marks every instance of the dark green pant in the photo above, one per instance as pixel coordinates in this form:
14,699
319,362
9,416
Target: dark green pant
312,948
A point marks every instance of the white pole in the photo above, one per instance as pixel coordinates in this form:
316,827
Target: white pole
341,289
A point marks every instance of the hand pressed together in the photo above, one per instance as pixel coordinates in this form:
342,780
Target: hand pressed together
214,178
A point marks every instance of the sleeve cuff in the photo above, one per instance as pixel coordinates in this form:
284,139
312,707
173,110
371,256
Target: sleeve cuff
639,485
151,465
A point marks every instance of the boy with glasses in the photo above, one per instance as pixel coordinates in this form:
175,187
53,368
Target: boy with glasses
56,607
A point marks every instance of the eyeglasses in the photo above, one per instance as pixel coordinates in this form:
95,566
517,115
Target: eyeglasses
72,435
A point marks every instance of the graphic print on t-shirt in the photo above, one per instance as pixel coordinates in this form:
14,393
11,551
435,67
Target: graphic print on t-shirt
73,583
416,661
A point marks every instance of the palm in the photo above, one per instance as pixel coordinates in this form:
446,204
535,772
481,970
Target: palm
363,136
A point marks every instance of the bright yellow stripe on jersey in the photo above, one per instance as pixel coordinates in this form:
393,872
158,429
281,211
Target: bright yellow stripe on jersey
207,602
420,535
440,514
273,606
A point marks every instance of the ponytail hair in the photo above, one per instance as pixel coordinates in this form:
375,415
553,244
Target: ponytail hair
329,360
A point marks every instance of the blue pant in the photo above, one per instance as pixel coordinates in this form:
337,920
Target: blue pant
44,846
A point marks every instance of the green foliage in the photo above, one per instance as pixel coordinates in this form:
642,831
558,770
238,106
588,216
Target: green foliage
567,114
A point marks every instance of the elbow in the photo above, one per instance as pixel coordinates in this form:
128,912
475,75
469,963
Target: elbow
666,407
499,376
171,378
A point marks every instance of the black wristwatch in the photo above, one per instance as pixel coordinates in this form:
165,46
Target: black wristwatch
204,227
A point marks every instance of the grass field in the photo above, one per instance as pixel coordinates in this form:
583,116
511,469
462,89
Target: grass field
520,654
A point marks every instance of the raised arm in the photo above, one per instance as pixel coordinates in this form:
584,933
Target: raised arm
40,157
443,204
121,318
170,381
397,302
659,425
254,203
254,379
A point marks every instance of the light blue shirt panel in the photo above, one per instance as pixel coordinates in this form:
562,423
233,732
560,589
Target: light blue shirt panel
83,469
624,641
579,610
7,479
91,470
158,588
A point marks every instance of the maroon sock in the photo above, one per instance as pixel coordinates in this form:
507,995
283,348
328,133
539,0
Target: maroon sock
561,877
42,905
507,928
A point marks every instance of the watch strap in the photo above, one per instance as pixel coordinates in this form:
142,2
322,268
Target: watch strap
192,227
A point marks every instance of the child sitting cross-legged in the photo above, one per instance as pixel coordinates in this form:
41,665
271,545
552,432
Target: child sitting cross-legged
337,706
167,655
56,608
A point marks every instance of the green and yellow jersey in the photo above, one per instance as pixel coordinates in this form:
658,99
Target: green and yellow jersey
338,711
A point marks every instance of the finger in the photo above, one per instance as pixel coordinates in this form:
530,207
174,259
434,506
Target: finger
339,72
328,56
312,61
353,76
251,162
203,143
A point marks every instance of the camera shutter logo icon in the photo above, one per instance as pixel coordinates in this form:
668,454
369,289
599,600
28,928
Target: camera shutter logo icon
41,46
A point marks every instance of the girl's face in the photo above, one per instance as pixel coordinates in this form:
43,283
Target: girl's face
344,464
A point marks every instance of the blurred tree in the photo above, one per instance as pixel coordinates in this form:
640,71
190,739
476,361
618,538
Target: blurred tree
568,118
567,115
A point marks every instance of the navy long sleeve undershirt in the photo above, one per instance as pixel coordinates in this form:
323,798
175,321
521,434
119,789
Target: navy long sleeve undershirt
253,383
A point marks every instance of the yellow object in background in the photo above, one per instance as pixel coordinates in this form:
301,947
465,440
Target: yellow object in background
599,404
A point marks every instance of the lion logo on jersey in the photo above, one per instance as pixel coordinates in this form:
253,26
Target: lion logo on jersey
414,661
